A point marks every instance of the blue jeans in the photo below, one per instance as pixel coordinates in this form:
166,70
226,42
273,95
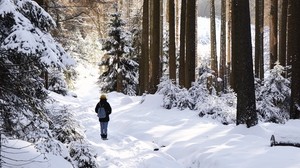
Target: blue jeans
103,128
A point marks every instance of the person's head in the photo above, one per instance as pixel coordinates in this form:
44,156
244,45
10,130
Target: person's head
103,97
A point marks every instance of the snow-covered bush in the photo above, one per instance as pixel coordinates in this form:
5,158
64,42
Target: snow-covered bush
201,97
82,155
209,104
67,130
273,97
184,100
169,90
57,82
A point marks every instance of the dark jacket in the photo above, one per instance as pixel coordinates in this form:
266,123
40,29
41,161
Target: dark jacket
106,105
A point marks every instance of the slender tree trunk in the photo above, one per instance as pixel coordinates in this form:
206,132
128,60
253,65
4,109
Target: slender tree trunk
259,36
213,40
144,59
222,67
261,59
155,47
177,16
273,33
182,45
282,33
242,61
294,27
172,47
161,39
230,69
290,33
191,42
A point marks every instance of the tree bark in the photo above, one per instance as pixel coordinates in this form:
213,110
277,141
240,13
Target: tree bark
282,33
294,27
190,43
213,42
242,61
182,45
290,33
229,49
273,33
172,47
144,59
155,46
259,36
222,67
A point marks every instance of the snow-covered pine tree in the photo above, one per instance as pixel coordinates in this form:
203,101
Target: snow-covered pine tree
122,69
26,50
273,97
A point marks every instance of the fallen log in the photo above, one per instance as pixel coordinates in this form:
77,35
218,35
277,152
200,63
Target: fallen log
284,141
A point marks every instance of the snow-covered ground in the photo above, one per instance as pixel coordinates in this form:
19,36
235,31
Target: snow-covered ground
183,139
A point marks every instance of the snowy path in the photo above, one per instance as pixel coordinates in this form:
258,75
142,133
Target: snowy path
136,129
122,150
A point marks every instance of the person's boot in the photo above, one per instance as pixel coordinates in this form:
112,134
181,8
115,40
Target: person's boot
104,136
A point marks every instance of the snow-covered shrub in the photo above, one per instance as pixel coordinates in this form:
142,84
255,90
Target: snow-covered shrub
169,90
67,130
57,82
82,155
201,97
184,100
209,104
273,97
222,108
200,90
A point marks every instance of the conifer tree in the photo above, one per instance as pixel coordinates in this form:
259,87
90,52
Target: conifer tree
26,49
122,69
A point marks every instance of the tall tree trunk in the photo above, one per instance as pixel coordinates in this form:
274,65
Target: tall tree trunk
144,59
294,43
290,33
177,19
172,47
259,37
282,32
191,42
161,39
155,46
242,61
182,45
222,67
213,41
230,69
273,33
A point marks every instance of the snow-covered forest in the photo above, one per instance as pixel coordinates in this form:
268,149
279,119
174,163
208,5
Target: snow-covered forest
193,84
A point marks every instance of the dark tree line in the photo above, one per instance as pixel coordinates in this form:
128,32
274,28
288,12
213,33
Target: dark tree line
235,68
235,65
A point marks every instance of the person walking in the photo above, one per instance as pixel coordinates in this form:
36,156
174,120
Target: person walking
103,110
